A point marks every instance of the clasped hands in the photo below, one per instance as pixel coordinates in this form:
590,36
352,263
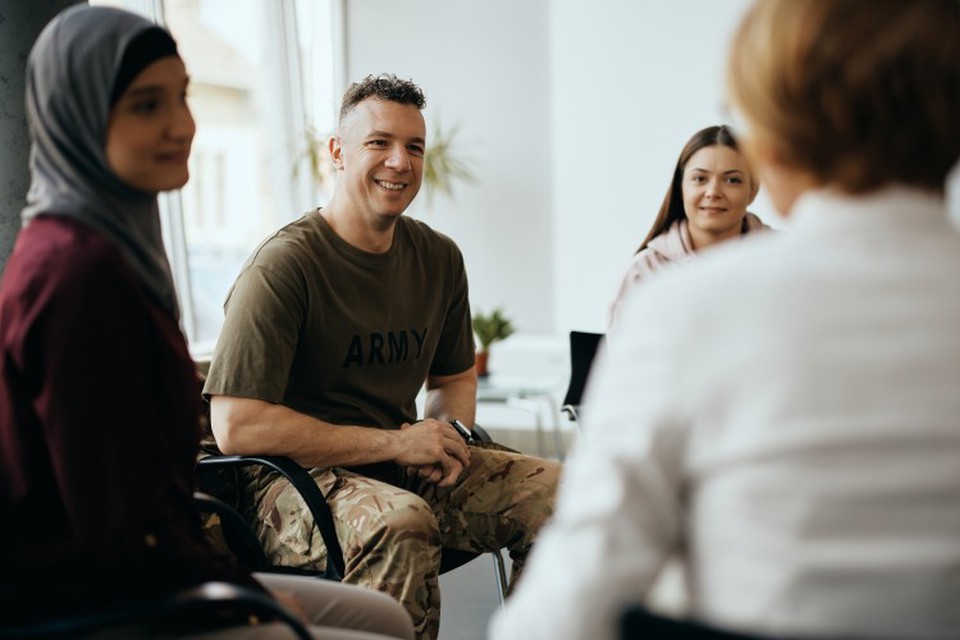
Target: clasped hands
433,450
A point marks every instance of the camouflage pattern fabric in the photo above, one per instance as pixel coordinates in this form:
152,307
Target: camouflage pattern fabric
391,535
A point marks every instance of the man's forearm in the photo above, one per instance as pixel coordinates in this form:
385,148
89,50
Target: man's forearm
244,426
450,397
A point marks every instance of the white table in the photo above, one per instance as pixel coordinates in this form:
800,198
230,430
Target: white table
533,395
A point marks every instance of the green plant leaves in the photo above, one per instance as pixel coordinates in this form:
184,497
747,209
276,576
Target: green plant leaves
491,328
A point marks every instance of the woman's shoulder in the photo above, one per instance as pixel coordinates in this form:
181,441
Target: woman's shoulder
663,251
644,264
61,268
673,245
65,251
754,223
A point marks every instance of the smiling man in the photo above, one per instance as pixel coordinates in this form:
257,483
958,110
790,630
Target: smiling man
332,328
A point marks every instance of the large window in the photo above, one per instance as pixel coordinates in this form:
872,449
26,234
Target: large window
262,90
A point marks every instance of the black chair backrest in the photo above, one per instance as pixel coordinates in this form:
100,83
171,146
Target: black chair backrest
583,348
638,622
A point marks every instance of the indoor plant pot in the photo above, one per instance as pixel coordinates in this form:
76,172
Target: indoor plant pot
489,328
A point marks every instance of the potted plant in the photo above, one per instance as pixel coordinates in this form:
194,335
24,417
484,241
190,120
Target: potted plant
442,167
489,328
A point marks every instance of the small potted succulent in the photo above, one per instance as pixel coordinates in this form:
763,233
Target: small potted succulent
489,328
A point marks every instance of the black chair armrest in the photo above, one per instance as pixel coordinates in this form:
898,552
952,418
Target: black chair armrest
572,411
480,434
197,606
309,491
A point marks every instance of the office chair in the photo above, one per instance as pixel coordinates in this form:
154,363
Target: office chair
583,350
209,606
227,480
225,485
219,475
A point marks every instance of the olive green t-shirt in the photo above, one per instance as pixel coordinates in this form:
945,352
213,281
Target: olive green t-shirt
340,334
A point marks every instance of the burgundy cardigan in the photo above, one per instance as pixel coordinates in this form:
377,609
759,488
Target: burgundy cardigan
98,433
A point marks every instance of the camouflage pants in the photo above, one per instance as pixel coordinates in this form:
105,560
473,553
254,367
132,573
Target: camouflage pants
391,533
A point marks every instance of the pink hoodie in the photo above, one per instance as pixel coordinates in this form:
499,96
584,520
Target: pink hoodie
674,246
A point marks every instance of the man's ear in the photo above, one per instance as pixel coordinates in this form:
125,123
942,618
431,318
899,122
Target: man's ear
336,152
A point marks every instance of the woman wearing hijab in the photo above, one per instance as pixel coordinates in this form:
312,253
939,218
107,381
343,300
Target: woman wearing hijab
99,400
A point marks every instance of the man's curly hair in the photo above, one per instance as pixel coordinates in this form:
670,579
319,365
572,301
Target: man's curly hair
385,86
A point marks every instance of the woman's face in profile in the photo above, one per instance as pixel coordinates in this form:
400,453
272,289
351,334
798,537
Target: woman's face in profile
151,129
717,188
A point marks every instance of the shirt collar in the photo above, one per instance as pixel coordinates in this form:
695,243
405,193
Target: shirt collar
896,203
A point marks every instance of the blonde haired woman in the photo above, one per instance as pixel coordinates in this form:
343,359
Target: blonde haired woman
792,432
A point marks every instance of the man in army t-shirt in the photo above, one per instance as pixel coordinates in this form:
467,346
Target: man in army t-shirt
332,328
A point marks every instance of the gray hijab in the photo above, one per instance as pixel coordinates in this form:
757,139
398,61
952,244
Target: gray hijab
70,74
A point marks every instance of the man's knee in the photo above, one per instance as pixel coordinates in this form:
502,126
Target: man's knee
549,479
409,522
532,482
397,549
537,489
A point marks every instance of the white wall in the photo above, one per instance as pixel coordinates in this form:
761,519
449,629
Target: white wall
574,112
483,66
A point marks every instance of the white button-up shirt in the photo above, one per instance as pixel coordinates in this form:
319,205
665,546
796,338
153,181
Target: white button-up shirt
785,415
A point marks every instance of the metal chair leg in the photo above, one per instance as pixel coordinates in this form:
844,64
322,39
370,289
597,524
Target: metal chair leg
501,575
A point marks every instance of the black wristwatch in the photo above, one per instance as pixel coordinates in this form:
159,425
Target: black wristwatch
465,433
